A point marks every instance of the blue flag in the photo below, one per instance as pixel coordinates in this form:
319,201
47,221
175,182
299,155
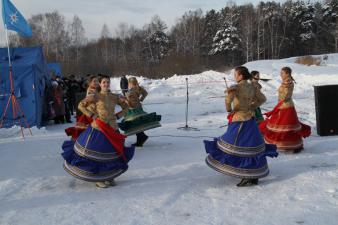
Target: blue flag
14,20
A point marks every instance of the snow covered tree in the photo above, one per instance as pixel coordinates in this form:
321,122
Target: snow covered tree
330,12
211,26
330,20
226,39
303,15
156,41
157,46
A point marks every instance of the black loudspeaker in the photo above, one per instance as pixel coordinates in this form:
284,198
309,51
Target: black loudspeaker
78,98
326,98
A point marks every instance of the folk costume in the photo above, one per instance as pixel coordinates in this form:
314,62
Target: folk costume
241,151
136,121
82,121
99,154
282,126
258,112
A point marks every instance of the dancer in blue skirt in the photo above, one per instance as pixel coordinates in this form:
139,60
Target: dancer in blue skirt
241,151
99,155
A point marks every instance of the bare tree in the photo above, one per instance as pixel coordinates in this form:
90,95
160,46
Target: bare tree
77,36
188,33
105,35
247,30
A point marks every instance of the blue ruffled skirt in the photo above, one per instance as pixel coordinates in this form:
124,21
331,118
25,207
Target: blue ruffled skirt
93,158
241,152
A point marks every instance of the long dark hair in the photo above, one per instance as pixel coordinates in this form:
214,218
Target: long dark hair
101,77
288,70
254,73
244,72
90,79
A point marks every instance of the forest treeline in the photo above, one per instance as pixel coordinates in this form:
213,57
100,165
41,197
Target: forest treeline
198,41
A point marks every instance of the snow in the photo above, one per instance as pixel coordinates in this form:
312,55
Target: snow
168,181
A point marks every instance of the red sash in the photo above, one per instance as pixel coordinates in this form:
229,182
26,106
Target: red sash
275,110
230,116
116,139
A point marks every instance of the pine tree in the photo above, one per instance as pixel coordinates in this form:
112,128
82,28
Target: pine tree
303,16
211,25
156,41
330,20
226,39
158,46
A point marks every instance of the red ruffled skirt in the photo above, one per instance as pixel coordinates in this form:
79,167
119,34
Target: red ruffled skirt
82,123
283,129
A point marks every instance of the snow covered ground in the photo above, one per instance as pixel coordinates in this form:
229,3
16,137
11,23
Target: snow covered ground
168,181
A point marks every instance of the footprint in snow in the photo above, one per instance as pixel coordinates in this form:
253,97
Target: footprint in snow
323,165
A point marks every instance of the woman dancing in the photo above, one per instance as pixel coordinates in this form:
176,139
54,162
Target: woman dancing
241,151
99,154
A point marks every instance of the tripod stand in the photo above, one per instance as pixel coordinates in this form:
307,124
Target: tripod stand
186,127
17,112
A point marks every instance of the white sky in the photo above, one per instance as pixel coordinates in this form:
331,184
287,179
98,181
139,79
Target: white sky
94,13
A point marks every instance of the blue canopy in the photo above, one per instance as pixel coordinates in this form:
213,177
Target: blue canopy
30,75
56,68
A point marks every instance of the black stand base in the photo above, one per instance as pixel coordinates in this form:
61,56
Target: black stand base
187,128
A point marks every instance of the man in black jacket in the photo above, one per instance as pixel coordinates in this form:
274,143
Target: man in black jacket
124,84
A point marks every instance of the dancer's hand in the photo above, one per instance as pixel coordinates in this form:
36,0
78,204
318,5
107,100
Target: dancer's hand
94,117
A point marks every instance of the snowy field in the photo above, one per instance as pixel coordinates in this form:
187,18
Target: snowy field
168,181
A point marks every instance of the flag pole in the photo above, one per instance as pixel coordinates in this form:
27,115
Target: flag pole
17,112
8,51
9,60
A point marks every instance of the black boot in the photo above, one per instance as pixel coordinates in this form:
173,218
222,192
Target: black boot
56,120
298,150
62,119
247,182
141,139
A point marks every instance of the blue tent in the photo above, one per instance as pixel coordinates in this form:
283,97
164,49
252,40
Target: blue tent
56,68
30,75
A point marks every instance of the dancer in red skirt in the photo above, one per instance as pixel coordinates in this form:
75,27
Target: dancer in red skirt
282,126
83,121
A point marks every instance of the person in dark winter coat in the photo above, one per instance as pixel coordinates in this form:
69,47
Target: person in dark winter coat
76,87
65,88
58,103
124,84
50,113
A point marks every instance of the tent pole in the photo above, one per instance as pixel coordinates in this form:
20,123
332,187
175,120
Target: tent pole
8,51
15,104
